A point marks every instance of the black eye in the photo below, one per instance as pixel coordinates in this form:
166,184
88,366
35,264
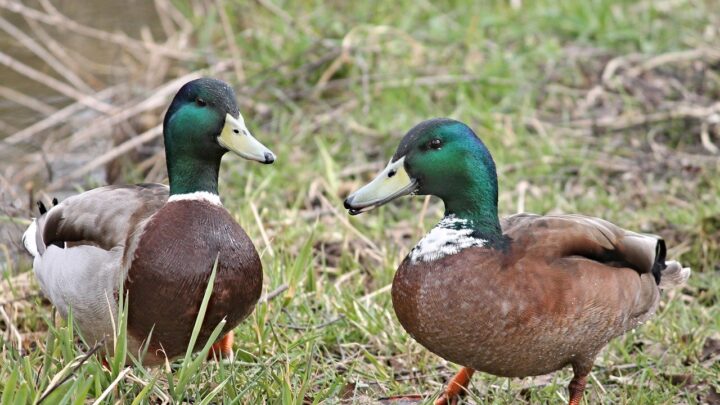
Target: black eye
200,102
435,144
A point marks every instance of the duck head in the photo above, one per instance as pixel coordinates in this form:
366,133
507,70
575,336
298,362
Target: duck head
202,123
440,157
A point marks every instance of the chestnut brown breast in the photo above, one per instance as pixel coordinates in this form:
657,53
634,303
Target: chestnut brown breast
171,267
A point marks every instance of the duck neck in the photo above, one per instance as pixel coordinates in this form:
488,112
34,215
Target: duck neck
483,220
189,175
476,206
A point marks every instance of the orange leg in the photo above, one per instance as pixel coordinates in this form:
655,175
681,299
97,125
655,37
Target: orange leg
576,388
222,349
457,385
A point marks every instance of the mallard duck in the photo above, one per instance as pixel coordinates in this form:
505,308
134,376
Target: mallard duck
522,296
159,243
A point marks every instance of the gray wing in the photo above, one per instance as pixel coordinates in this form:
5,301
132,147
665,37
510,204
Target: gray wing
104,217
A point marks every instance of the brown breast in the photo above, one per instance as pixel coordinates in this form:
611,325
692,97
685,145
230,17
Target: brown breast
518,314
170,270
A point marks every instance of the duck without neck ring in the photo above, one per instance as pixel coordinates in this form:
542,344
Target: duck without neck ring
159,243
517,297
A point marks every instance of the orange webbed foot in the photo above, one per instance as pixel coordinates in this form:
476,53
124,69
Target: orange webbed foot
222,349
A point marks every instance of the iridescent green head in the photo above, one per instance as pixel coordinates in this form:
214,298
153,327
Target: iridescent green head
444,158
202,123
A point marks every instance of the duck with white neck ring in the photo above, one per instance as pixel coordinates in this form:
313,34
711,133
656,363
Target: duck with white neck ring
522,296
159,243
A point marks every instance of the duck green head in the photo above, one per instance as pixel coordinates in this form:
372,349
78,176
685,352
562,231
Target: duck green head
444,158
201,125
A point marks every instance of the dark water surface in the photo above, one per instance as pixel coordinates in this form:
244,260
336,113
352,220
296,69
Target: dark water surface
130,17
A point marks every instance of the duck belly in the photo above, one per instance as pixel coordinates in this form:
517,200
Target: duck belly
491,321
170,270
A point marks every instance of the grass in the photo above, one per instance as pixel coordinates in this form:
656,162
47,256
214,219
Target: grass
331,88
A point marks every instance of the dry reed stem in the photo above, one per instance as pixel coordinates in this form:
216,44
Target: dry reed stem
119,116
166,22
7,128
115,152
43,54
12,330
58,117
232,44
157,99
26,101
59,20
165,7
62,54
263,232
53,83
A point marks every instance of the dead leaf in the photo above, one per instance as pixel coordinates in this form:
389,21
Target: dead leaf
682,380
712,397
711,348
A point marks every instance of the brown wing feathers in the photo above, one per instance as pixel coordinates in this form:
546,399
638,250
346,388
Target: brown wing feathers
593,238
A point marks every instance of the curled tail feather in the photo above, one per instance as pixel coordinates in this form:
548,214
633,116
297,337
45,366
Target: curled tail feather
673,275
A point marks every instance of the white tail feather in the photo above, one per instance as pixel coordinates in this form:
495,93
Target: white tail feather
29,239
674,275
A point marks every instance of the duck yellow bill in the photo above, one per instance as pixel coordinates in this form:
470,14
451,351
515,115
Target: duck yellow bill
390,184
235,137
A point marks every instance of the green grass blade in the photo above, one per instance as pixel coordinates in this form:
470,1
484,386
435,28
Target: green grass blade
9,388
188,366
213,393
145,391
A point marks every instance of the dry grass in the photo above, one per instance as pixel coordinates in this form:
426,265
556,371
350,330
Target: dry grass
605,108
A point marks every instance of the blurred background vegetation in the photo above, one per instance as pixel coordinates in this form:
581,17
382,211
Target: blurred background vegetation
607,108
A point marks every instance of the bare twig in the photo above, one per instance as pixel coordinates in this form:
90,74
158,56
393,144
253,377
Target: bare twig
630,120
274,293
314,327
692,55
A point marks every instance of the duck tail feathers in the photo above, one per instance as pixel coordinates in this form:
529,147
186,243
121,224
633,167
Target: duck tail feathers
29,239
673,275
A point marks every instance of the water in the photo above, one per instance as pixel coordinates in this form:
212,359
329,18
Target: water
130,17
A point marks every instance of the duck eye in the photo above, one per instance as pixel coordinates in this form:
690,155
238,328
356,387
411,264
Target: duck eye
435,144
199,101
